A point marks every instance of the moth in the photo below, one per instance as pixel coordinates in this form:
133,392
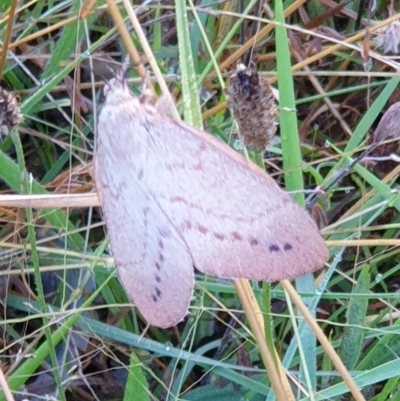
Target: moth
174,197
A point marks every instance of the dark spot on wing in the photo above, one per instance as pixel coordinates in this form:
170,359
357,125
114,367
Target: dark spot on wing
157,295
161,257
253,241
158,278
202,147
236,236
147,126
202,229
273,248
140,174
164,234
178,199
287,247
198,166
219,236
158,292
158,267
161,244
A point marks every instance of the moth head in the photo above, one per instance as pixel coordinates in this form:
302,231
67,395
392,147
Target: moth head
117,88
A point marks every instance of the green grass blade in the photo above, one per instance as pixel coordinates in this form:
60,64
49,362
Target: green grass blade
191,104
353,335
136,386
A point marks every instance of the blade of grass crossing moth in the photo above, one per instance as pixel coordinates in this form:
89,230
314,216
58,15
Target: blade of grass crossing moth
292,161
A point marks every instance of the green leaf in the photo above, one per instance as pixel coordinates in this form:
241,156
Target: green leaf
353,336
287,110
67,44
136,385
291,157
191,105
212,393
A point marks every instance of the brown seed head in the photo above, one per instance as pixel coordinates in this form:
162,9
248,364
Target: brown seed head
10,115
253,106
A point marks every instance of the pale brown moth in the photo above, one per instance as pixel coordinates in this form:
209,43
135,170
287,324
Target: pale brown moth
174,197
